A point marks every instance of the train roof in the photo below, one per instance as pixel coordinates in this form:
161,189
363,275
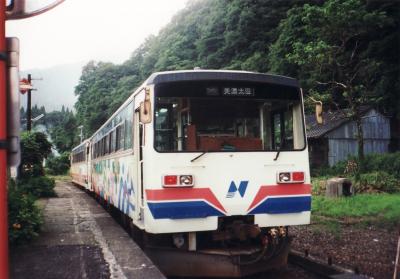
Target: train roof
213,75
84,142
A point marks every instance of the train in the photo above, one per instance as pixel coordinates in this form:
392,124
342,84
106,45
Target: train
209,166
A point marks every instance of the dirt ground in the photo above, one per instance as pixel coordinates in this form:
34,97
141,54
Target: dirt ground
369,250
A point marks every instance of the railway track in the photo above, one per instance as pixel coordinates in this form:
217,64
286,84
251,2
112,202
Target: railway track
300,265
322,269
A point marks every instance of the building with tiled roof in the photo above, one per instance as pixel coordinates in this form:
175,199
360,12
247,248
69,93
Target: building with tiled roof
336,138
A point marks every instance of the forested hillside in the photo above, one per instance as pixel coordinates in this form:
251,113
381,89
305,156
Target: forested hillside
344,52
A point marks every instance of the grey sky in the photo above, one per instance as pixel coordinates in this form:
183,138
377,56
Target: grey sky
82,30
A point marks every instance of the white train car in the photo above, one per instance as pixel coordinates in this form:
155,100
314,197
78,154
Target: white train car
212,166
79,164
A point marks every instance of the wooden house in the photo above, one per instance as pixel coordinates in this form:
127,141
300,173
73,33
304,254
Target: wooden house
336,139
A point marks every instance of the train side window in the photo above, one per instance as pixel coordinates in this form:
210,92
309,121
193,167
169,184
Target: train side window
97,149
122,136
101,147
94,150
103,144
109,143
128,135
106,145
119,137
112,137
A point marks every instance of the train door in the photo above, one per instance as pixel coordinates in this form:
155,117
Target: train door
138,155
88,167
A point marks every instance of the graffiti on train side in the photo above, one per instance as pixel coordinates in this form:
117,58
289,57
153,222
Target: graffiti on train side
113,181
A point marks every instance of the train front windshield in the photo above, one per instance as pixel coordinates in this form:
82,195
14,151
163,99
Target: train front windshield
227,116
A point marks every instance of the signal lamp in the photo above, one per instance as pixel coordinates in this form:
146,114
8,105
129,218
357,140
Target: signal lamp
290,177
171,181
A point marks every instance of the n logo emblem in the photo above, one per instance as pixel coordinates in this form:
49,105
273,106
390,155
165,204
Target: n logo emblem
233,189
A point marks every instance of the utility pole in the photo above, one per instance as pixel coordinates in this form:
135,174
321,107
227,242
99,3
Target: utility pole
29,107
81,133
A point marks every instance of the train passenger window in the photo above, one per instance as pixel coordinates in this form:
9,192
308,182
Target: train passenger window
112,136
109,143
128,134
103,140
98,149
106,145
102,147
128,127
95,150
119,137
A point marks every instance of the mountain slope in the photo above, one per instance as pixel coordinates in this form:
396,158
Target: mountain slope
55,86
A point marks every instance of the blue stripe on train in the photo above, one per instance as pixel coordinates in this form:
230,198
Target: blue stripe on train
283,205
182,210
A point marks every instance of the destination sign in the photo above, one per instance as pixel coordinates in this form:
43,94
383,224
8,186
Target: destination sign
238,91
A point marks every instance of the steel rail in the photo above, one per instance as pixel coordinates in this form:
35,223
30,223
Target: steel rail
321,268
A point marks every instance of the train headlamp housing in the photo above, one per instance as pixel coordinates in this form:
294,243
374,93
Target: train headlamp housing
287,177
176,181
284,177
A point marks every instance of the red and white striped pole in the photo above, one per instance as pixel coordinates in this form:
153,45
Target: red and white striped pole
3,147
17,11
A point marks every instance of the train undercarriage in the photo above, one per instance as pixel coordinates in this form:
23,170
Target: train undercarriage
237,249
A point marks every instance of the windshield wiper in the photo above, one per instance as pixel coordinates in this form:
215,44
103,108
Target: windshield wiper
194,159
279,149
277,154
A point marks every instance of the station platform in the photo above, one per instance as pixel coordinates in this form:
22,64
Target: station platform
80,240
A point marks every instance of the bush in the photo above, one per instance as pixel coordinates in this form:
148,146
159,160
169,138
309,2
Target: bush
389,163
39,187
319,185
58,165
336,170
34,149
378,181
24,217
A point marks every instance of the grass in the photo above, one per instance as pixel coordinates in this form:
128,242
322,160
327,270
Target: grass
380,209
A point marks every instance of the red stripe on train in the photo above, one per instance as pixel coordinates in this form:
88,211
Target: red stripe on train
184,194
280,190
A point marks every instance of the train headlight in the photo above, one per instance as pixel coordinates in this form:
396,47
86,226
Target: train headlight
172,181
290,177
186,180
284,177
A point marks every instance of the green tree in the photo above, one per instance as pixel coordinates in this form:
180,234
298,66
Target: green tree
330,47
210,34
58,165
63,129
34,149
